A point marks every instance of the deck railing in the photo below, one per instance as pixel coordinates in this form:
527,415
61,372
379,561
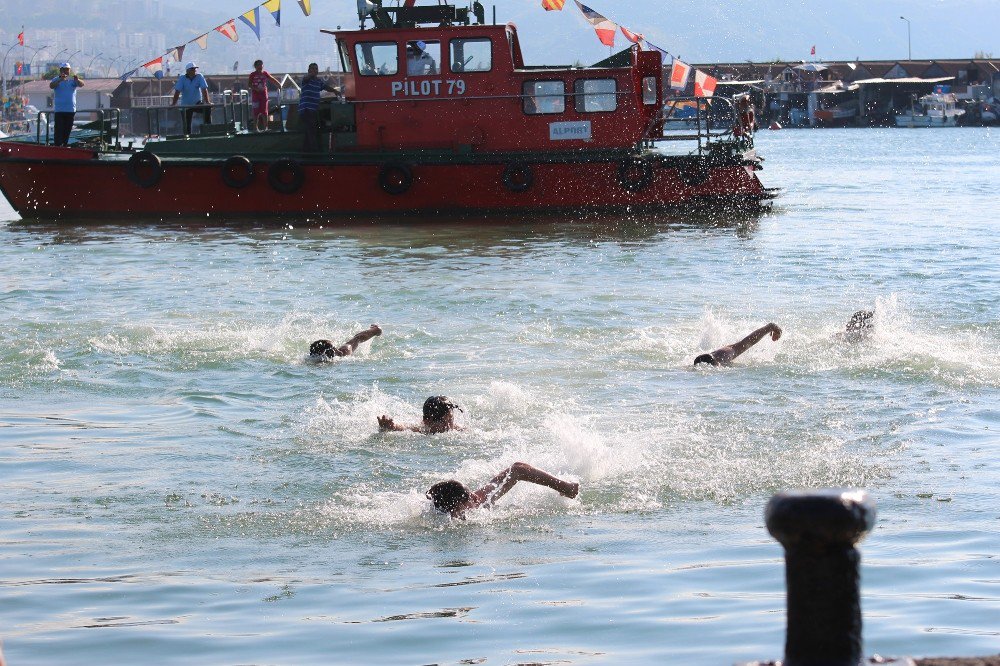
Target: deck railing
699,119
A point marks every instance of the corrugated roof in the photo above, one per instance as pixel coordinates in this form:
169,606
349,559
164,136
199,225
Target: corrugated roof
908,79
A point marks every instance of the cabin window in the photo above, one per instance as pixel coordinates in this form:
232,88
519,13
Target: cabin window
377,58
345,56
596,95
541,97
471,55
649,90
422,58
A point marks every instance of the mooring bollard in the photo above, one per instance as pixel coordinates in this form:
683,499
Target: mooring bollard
818,529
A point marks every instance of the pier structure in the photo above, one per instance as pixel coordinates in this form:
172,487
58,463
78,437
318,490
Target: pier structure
859,93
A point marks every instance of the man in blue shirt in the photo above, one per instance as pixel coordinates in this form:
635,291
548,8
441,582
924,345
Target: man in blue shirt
64,103
192,89
312,86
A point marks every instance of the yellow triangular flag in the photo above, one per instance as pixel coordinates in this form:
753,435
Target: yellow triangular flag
306,6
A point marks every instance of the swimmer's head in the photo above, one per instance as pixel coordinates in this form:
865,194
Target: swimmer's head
706,358
438,408
448,496
860,325
322,349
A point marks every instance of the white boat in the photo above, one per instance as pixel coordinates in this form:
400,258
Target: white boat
934,110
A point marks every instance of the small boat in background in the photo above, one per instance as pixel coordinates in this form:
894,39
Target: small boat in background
933,110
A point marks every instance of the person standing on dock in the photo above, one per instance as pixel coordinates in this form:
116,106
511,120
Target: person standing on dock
258,80
725,355
312,86
192,89
64,103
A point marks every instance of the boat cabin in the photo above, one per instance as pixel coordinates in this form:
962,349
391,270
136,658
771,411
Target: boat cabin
466,86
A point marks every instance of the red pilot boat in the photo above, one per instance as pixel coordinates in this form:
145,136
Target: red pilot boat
439,113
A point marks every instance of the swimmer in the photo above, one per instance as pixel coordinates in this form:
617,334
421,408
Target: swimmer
453,497
725,355
323,350
860,326
438,417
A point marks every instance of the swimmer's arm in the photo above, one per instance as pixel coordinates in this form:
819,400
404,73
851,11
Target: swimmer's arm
386,424
363,336
519,471
755,337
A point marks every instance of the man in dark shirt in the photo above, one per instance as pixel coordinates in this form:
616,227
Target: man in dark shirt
312,86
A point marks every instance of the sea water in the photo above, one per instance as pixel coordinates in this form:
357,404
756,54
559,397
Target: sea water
179,485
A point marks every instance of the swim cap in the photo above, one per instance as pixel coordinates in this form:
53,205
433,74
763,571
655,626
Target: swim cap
437,407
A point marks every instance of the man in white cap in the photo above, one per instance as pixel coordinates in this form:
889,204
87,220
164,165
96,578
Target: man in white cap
64,103
192,89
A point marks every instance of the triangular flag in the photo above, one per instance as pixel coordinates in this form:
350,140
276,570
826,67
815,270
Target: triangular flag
633,37
127,75
663,53
704,85
274,6
679,74
229,30
306,6
155,67
252,19
549,5
604,28
171,55
201,41
179,52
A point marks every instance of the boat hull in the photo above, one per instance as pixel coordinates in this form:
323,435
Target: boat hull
926,121
45,182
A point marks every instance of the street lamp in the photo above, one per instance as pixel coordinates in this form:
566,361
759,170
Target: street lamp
909,54
111,64
35,54
3,68
92,61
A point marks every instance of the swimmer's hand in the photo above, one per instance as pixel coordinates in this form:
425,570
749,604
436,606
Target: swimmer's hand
571,490
386,423
376,329
775,332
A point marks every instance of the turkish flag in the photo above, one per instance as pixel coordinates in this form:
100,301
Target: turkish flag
812,51
20,38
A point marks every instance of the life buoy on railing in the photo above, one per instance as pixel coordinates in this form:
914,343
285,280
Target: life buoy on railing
286,176
395,178
238,172
694,173
144,169
518,177
635,174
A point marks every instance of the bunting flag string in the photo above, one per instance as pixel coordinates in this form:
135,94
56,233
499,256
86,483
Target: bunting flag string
155,67
633,37
550,5
229,30
704,85
252,19
274,6
679,74
605,29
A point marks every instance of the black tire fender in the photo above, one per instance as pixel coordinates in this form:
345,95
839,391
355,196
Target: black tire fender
144,169
238,172
694,173
395,178
286,176
635,174
518,177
